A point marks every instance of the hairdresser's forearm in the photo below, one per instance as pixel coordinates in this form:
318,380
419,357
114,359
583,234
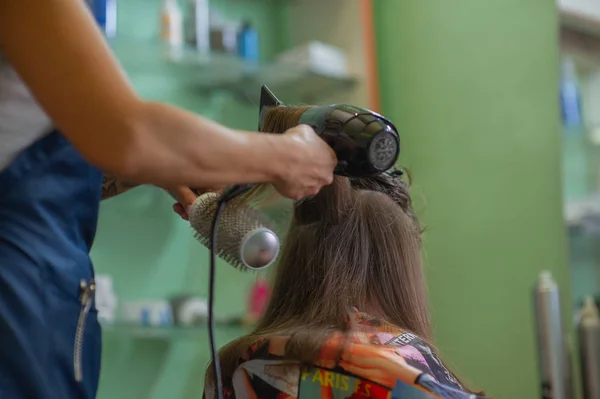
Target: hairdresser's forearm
167,147
76,79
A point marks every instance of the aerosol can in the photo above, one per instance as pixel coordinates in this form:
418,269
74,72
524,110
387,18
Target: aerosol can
553,357
589,349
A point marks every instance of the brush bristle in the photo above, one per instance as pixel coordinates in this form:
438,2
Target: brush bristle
236,220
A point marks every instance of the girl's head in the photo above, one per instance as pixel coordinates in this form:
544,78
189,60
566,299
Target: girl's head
355,244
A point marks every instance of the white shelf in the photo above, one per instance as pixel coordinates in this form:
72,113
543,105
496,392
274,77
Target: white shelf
580,32
578,212
581,15
169,333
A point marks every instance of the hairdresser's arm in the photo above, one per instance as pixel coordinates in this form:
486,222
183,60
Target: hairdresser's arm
60,53
111,186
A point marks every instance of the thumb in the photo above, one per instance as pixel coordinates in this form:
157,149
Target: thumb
185,196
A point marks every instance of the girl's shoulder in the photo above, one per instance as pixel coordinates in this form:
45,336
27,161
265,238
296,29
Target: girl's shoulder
350,366
415,350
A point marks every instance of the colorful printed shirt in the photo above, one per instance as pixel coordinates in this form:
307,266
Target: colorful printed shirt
379,361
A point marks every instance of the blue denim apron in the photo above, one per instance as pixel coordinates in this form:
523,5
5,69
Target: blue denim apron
50,339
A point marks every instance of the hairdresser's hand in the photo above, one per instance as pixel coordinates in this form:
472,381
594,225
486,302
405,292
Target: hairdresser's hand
186,197
310,166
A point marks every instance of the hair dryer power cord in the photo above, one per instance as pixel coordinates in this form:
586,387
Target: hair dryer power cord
211,300
228,195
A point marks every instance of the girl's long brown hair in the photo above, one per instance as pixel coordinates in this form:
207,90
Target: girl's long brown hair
355,244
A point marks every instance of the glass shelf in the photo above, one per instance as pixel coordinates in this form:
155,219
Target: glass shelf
170,332
585,212
585,19
210,72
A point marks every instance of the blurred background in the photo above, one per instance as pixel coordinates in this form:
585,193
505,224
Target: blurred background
498,107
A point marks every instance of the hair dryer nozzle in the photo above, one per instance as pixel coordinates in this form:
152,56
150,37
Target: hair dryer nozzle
267,100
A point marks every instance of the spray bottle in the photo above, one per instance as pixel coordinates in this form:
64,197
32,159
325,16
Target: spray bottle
172,24
589,349
553,358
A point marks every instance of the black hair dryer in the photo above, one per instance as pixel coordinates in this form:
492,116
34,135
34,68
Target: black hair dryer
366,143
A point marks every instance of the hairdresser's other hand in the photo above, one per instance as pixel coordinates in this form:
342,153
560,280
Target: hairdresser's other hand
310,165
186,197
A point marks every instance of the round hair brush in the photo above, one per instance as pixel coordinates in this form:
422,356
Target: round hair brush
245,238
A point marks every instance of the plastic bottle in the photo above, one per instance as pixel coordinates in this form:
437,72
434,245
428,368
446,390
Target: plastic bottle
197,25
577,174
172,24
570,96
589,349
105,13
258,299
248,43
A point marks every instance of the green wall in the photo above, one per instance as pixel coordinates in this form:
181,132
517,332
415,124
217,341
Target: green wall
148,250
472,86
